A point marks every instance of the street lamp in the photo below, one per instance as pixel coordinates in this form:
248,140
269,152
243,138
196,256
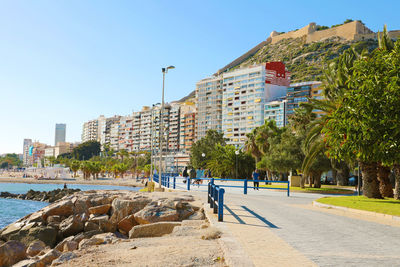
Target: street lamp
164,71
237,153
151,142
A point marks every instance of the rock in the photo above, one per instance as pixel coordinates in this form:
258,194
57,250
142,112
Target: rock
198,215
89,226
107,226
60,246
54,219
90,242
70,246
47,258
126,224
34,232
11,230
99,218
193,223
62,208
107,238
25,263
121,208
81,204
154,213
35,247
153,230
85,235
71,226
64,258
103,209
12,252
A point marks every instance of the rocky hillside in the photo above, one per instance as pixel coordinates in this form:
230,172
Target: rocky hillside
306,61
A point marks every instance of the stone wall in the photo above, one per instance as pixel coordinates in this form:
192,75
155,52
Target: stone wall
310,28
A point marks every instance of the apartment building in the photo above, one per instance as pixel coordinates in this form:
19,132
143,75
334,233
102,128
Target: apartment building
60,133
173,127
104,129
209,105
26,159
146,129
245,93
187,127
298,93
125,134
276,110
90,131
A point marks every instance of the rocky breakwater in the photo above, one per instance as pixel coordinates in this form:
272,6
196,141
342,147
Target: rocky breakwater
50,196
92,218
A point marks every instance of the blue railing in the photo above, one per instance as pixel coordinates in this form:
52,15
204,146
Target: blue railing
185,183
216,199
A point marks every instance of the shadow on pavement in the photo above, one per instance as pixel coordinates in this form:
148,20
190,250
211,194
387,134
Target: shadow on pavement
239,217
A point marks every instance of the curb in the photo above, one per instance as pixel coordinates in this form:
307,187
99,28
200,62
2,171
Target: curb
234,253
363,212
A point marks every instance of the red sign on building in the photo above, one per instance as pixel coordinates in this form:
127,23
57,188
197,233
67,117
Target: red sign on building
275,73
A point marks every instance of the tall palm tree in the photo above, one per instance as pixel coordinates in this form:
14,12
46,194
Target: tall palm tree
251,146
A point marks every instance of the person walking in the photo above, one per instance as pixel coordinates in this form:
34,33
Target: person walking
185,174
192,174
256,177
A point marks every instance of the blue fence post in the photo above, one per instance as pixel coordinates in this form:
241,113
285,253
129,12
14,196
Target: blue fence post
168,181
208,192
212,187
212,180
221,204
288,189
174,186
245,187
188,183
216,189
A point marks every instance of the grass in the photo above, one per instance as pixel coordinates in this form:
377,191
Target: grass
385,206
325,189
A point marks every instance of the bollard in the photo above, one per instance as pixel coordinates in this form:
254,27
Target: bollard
188,183
221,204
174,185
245,187
168,181
288,189
215,198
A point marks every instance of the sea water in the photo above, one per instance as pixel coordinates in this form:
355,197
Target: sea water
13,209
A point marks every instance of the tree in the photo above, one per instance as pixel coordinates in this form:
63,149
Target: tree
86,150
251,145
365,124
75,165
206,146
10,160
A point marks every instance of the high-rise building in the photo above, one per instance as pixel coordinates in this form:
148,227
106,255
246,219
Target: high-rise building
276,110
90,131
26,157
60,133
187,127
245,92
104,129
298,93
209,105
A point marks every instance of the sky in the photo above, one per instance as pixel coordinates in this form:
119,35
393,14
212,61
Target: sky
69,61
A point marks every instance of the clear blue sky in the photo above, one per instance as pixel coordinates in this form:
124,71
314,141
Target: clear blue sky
71,61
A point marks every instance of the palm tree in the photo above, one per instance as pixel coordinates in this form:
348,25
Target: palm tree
251,146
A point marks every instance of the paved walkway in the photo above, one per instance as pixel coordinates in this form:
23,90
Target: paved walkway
276,230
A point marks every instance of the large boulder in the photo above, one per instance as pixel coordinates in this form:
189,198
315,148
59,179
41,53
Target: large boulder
67,256
46,259
89,226
156,213
126,224
33,232
62,208
35,248
70,246
90,242
103,222
60,246
153,230
11,229
121,208
85,235
11,253
98,210
72,225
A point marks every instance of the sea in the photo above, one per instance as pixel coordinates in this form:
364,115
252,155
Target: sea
13,209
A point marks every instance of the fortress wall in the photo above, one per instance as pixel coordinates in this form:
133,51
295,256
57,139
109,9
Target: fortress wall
347,31
294,34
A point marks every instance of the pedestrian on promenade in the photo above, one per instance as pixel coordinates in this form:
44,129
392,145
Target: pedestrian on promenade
256,177
185,174
192,174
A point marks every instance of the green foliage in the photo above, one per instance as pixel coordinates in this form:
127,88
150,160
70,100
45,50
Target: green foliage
9,161
87,150
206,146
320,28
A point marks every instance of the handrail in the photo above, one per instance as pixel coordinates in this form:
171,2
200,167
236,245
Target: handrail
216,199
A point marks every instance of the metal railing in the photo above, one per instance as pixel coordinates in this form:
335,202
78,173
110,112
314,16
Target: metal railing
216,199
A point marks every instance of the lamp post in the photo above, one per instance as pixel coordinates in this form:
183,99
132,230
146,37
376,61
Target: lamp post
164,71
151,143
236,153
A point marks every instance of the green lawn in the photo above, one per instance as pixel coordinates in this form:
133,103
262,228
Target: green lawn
323,190
386,206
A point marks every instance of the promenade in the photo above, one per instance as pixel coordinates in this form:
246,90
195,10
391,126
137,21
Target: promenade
275,230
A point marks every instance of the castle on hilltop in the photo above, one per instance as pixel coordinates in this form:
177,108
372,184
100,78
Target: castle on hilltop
349,31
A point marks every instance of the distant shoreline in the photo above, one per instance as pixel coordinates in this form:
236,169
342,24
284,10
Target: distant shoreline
101,181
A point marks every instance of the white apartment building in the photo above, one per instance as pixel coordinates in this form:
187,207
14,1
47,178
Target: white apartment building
209,105
173,127
90,131
276,110
245,92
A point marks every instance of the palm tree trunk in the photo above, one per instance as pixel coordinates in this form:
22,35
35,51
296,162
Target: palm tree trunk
385,187
302,181
370,179
317,179
310,179
343,175
334,177
396,169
